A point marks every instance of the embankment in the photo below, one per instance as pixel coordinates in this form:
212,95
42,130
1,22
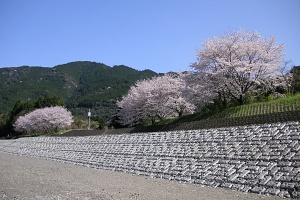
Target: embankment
262,159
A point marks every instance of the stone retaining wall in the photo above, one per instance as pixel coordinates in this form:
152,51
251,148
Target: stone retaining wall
263,159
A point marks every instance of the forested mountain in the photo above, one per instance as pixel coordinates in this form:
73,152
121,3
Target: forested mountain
82,85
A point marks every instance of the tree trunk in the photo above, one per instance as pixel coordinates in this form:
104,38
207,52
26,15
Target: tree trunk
241,100
180,113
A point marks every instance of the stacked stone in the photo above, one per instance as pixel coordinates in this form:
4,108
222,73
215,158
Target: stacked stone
263,159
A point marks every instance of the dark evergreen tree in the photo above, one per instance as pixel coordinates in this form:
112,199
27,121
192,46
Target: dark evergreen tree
296,79
49,101
100,121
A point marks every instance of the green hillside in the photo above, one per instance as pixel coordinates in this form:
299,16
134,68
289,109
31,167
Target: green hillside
28,83
278,105
82,85
284,104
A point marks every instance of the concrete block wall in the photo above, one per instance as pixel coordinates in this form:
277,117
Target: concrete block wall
262,159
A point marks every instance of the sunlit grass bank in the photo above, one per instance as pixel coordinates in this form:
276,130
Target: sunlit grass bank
274,106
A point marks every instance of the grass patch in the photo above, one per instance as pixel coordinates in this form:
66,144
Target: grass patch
42,134
283,104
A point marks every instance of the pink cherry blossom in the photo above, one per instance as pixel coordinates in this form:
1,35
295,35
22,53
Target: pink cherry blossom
238,62
155,99
44,120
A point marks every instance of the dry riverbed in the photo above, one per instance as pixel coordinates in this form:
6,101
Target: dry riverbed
35,178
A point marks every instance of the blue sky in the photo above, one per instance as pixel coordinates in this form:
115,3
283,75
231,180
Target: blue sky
161,35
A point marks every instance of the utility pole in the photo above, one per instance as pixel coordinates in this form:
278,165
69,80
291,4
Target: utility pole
89,115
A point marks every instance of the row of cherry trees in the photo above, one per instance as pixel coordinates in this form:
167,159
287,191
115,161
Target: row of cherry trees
44,120
228,67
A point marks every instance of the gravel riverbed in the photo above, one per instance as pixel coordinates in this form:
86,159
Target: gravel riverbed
29,178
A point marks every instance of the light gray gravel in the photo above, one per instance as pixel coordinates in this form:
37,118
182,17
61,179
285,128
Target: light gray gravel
27,178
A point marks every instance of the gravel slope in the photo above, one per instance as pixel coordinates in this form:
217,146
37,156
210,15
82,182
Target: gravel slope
34,178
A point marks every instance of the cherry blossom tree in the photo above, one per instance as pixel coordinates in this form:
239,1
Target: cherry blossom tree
132,106
155,99
44,120
238,62
285,79
199,89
